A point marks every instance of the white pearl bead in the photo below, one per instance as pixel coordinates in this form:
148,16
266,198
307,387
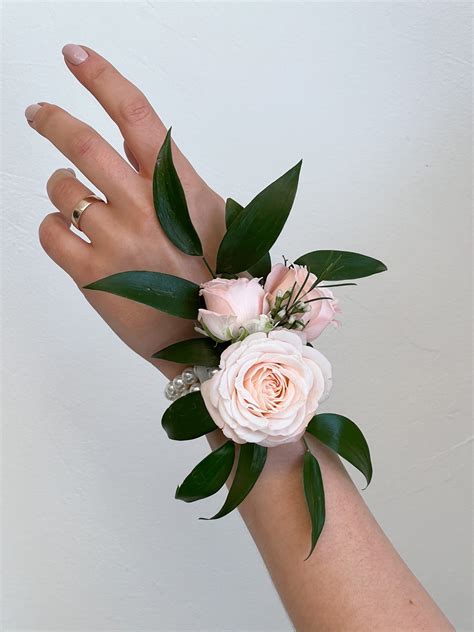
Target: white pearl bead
178,383
170,391
212,371
195,388
188,376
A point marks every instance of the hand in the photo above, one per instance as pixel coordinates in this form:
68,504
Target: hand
124,232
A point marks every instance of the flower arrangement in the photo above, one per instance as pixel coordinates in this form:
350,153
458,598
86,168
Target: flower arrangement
254,372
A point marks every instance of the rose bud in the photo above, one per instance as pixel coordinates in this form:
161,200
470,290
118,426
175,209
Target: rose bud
231,304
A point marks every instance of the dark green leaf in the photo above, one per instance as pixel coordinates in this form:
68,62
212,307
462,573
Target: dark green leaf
339,265
170,203
187,418
262,268
202,351
251,461
253,232
344,437
232,210
167,293
314,494
209,475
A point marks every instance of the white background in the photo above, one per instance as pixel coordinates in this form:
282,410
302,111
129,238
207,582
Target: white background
376,98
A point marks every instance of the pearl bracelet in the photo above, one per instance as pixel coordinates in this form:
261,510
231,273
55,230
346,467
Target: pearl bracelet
189,381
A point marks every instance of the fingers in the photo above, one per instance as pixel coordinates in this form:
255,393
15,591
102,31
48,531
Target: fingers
65,191
85,148
65,248
140,125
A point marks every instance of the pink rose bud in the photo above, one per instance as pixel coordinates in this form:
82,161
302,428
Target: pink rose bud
230,305
316,315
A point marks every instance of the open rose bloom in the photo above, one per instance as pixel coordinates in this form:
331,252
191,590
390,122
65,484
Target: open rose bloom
267,389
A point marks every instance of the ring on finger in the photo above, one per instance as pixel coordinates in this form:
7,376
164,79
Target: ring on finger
81,206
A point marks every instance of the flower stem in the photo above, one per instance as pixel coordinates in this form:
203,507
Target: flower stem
306,443
209,267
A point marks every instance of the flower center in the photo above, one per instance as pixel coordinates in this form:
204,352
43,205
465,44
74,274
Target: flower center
268,386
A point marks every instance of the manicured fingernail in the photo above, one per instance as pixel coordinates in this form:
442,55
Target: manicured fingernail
71,170
74,54
31,110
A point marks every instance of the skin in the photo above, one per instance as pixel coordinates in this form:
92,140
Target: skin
355,580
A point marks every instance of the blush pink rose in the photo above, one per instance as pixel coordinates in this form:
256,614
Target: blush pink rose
230,305
267,389
320,313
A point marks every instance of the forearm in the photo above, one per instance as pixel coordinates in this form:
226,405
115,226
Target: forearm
355,580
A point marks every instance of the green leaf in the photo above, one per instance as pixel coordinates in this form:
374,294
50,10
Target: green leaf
314,494
170,203
344,437
339,265
251,461
187,418
253,232
201,351
209,475
232,210
262,268
165,292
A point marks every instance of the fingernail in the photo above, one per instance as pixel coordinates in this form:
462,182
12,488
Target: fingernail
71,170
74,54
31,110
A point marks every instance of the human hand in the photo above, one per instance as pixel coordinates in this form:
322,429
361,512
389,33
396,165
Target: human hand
124,232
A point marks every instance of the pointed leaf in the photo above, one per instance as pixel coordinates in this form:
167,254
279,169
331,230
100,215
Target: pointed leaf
262,268
344,437
187,418
232,210
340,265
201,351
251,461
314,494
165,292
170,203
209,475
253,232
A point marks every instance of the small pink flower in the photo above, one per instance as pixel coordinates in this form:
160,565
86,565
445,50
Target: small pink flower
320,312
230,305
267,389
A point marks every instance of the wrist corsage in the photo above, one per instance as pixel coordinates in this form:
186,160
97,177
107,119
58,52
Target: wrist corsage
254,373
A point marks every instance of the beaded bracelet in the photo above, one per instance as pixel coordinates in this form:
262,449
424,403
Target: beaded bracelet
188,381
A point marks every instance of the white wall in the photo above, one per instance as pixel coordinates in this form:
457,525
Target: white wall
375,98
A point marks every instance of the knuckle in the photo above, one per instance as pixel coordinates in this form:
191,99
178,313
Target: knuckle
83,142
135,110
98,70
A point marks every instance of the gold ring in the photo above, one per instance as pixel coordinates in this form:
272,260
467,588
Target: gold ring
81,207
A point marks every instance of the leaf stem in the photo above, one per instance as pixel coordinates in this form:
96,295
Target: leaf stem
208,267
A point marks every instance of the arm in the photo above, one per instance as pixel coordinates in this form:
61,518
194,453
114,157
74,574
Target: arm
355,579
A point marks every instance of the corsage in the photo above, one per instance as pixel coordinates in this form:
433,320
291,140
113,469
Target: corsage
254,372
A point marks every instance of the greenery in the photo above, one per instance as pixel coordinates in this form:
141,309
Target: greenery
170,203
200,351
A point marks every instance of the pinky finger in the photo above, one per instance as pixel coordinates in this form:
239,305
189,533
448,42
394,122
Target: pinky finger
65,248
